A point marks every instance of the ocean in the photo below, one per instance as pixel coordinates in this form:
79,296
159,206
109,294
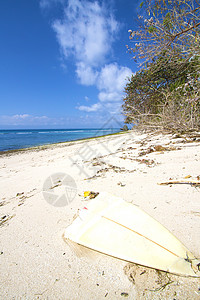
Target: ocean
20,139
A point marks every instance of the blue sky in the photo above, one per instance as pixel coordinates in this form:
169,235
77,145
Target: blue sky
64,63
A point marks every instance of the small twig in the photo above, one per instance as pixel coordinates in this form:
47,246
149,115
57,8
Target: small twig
162,287
182,181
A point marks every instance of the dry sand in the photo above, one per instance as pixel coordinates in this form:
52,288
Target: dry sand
35,261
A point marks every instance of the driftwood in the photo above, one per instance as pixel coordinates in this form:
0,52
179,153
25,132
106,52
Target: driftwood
182,181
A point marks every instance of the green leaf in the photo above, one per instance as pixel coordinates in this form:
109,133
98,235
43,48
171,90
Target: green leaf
141,4
151,29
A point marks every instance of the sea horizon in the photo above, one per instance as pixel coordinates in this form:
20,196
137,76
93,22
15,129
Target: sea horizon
14,139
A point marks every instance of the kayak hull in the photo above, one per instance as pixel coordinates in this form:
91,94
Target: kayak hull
112,226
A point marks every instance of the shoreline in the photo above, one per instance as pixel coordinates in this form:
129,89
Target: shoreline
47,146
38,264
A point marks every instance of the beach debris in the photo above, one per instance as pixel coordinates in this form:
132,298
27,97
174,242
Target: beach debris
20,194
120,183
148,162
196,213
143,272
131,148
4,219
188,176
154,284
162,287
181,181
146,151
22,200
116,169
57,183
93,177
86,194
90,194
2,203
97,162
153,280
109,168
160,148
187,137
157,148
124,294
112,226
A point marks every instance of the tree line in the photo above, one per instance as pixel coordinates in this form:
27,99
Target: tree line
165,92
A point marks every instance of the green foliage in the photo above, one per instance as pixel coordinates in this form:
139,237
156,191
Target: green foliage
141,4
166,90
167,22
125,128
151,29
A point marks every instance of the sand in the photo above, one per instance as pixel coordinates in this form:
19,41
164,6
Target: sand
36,263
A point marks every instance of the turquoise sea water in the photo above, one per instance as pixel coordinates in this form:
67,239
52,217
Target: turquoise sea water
18,139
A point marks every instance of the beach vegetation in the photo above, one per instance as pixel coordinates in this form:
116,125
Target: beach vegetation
165,91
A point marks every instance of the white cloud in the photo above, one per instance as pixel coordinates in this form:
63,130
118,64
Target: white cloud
86,32
86,74
23,119
109,97
110,82
18,117
113,77
92,108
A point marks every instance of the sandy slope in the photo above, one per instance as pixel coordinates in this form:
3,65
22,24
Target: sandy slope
35,261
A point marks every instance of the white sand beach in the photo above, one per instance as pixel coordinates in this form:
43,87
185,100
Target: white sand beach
36,262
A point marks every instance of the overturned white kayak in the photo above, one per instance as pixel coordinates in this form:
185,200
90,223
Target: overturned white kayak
112,226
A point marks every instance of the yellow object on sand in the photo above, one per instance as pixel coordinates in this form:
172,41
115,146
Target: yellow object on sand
112,226
86,194
90,194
